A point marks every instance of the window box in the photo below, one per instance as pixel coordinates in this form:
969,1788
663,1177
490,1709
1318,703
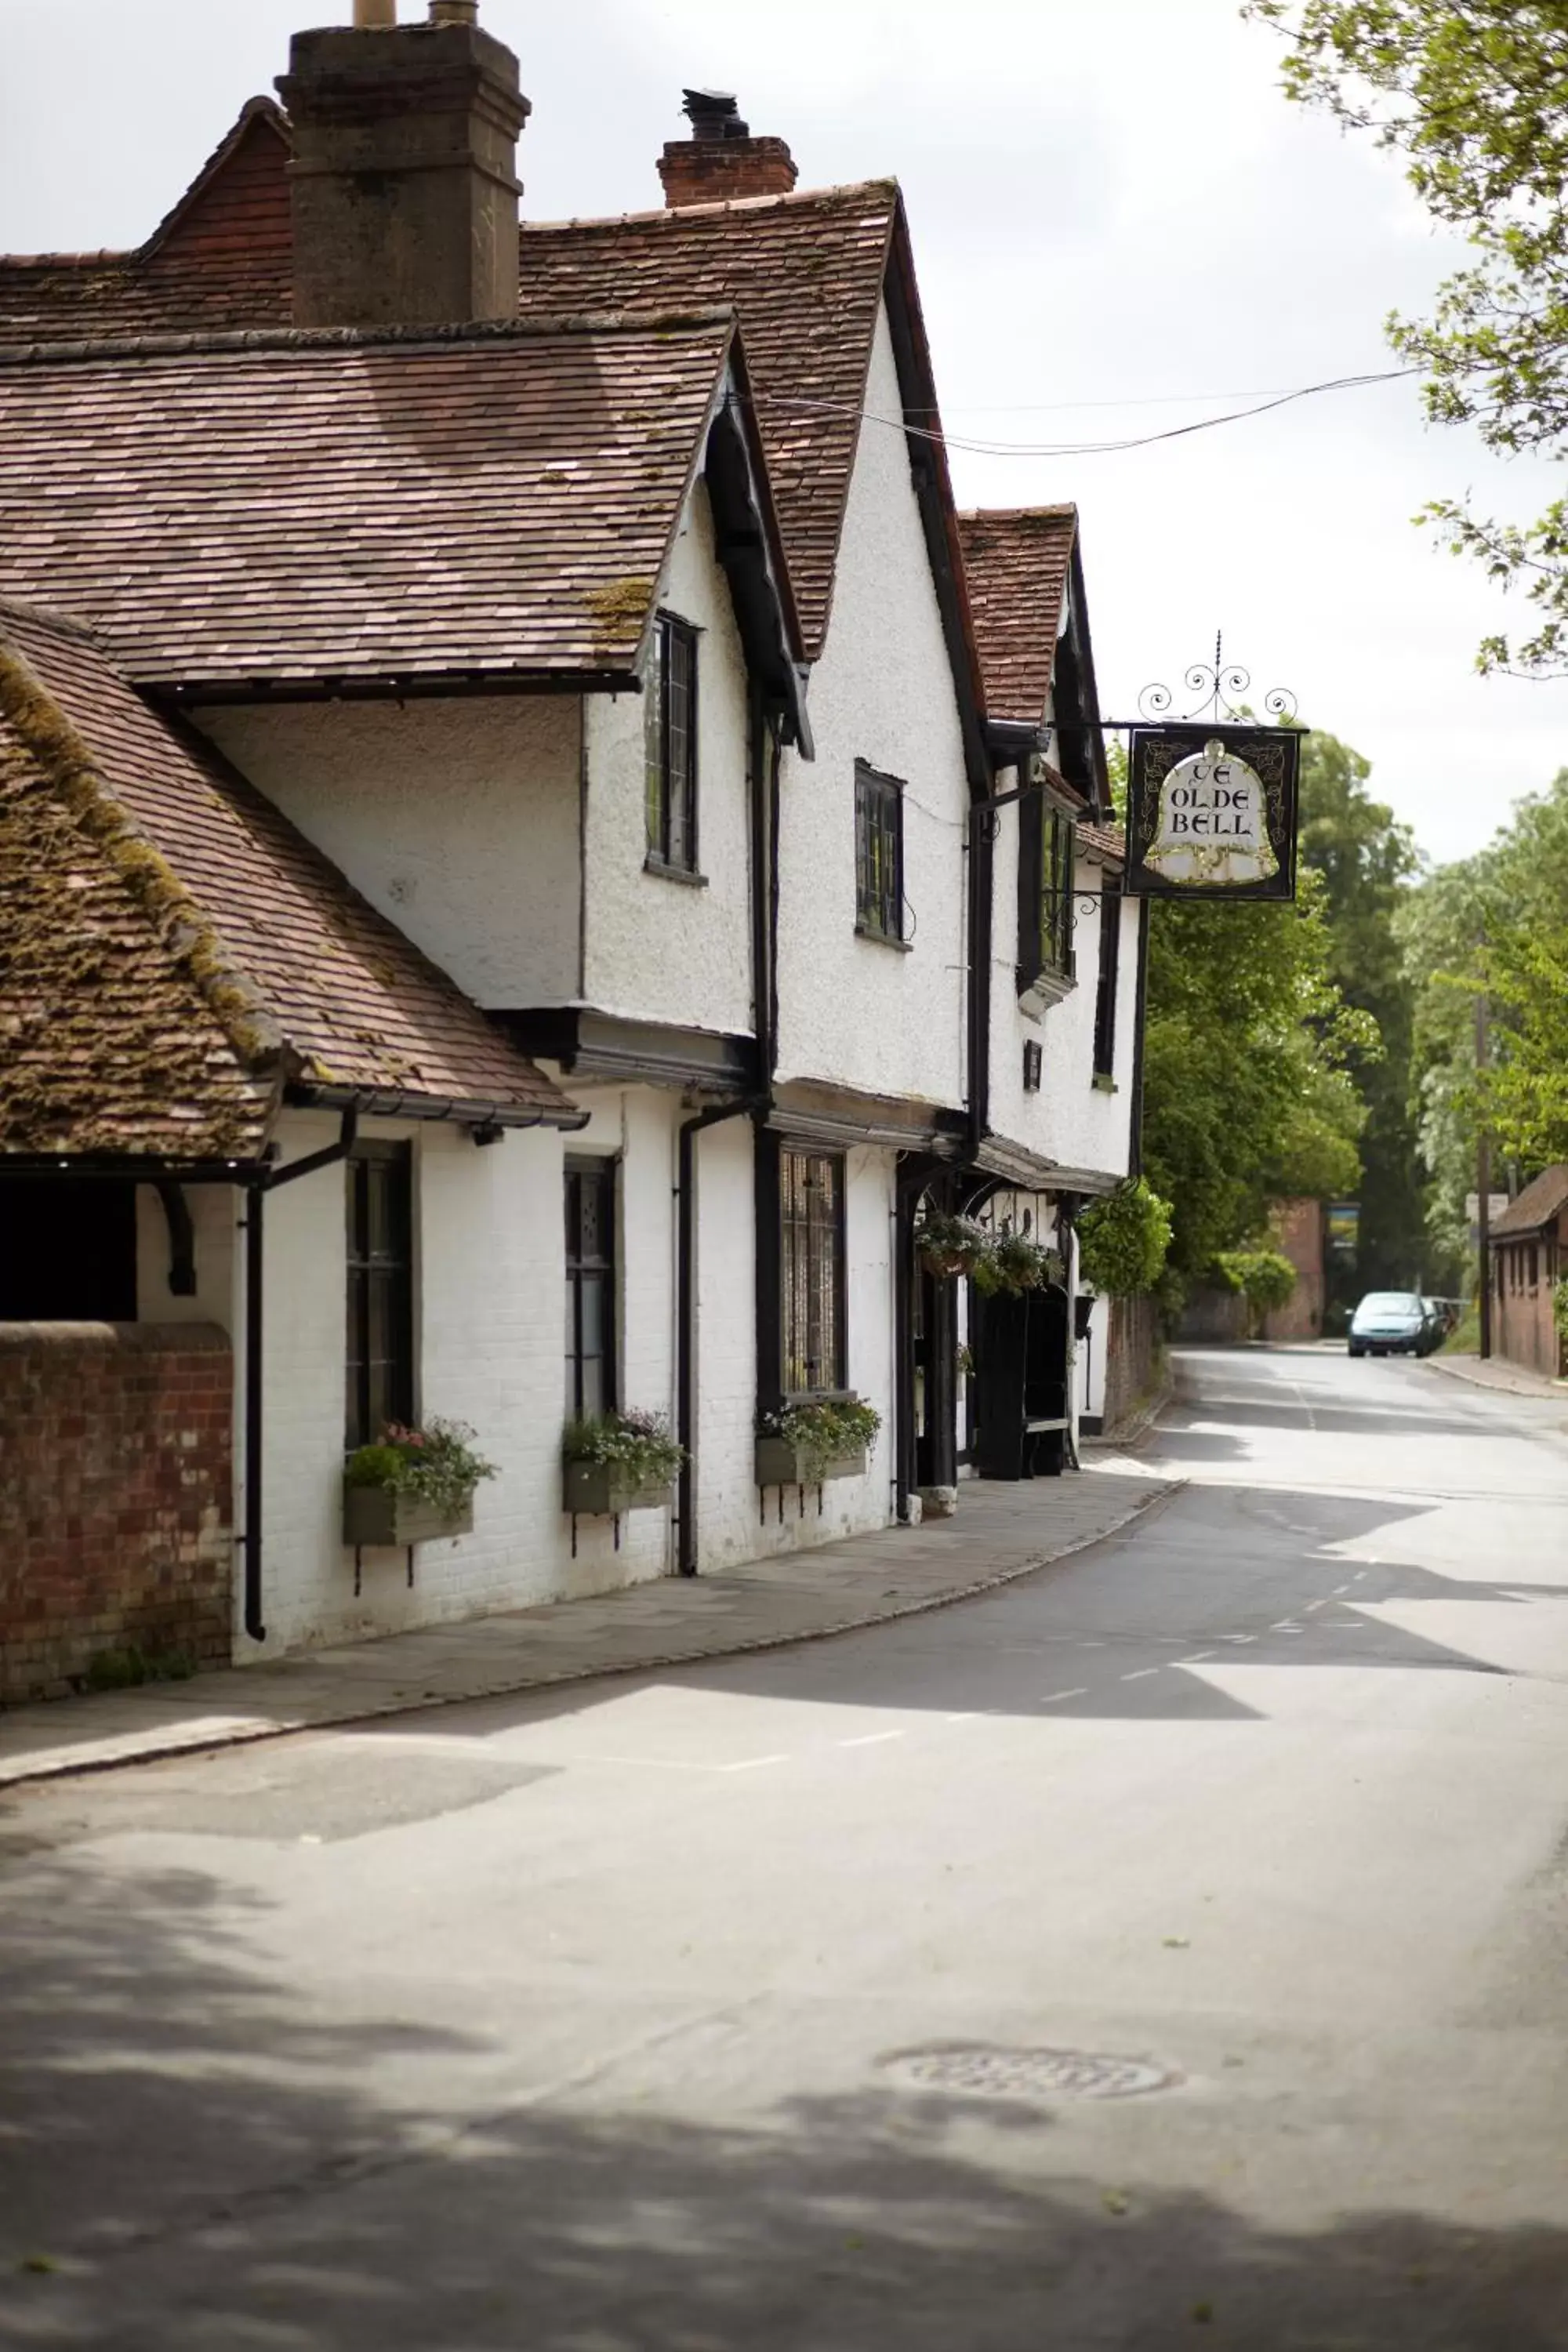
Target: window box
603,1490
380,1516
780,1463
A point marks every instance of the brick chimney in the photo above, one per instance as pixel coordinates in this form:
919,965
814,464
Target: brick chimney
404,185
721,159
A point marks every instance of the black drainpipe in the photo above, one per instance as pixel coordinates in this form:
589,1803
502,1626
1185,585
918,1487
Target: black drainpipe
257,1190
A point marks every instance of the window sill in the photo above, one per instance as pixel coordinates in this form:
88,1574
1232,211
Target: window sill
667,873
1046,988
1104,1084
881,939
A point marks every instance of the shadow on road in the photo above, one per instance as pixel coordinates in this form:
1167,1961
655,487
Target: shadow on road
203,2171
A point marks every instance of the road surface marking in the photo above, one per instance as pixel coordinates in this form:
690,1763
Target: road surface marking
1313,1604
870,1739
750,1763
1140,1674
958,1719
1051,1697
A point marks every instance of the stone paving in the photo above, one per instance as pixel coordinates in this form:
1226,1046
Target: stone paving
1515,1379
1000,1532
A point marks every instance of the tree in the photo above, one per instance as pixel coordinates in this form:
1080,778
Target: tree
1367,859
1495,923
1247,1096
1474,93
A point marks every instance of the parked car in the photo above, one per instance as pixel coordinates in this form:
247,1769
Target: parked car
1394,1323
1445,1313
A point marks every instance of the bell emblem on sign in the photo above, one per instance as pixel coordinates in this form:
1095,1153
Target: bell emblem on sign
1213,822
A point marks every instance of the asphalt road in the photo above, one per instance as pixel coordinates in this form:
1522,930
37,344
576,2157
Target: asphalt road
756,2007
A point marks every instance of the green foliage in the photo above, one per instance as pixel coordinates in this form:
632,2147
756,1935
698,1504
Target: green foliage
1367,860
437,1463
1123,1239
951,1245
823,1429
1247,1091
1475,95
1015,1262
1494,924
1560,1306
641,1444
1265,1277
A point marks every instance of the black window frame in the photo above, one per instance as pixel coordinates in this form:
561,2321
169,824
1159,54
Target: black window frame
601,1172
371,1403
879,855
1047,872
805,1284
670,763
1110,978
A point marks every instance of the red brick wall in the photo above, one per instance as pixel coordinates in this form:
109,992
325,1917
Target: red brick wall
1130,1357
1298,1235
115,1497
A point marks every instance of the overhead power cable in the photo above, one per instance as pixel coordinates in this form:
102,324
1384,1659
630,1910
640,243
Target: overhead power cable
995,448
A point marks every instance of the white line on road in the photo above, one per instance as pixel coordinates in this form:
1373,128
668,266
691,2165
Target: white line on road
1140,1674
1051,1697
750,1763
870,1739
1199,1658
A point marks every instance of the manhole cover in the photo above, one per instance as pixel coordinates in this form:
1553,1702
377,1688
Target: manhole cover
982,2071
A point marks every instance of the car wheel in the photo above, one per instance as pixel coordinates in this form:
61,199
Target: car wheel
1357,1352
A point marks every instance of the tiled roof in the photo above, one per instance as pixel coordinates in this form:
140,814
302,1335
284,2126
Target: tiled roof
299,508
173,951
223,257
1541,1201
1017,559
1106,843
804,272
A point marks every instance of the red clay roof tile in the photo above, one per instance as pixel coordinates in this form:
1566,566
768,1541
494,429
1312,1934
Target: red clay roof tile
804,271
305,508
173,950
1017,559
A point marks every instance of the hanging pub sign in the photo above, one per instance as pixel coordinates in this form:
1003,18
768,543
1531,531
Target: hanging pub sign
1211,795
1211,810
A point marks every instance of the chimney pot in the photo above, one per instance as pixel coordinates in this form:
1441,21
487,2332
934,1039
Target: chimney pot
721,161
375,15
454,12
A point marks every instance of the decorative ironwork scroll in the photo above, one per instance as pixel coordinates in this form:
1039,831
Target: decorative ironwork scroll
1212,796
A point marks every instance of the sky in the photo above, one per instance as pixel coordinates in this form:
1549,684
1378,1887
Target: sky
1120,224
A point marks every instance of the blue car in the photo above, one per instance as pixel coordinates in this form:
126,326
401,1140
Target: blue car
1394,1323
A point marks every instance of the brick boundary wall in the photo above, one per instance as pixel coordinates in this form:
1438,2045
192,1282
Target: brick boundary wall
115,1498
1134,1336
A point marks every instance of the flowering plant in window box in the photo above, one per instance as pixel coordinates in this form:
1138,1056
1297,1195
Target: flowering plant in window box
412,1486
951,1245
616,1462
814,1439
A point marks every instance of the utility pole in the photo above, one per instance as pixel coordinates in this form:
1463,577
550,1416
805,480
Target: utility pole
1483,1185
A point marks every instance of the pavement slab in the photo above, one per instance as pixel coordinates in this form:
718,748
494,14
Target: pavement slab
998,1533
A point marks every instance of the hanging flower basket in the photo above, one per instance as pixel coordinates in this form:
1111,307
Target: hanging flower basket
951,1248
1014,1263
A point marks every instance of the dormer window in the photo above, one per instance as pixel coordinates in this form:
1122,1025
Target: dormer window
670,746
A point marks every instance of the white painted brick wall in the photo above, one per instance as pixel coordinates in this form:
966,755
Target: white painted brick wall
851,1008
659,950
